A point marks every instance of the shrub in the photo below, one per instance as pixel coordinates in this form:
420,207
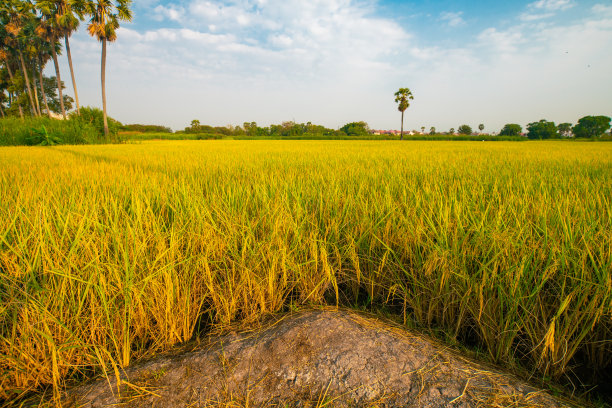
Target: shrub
95,117
33,131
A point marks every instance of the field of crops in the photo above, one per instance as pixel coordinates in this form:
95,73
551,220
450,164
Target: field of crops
111,253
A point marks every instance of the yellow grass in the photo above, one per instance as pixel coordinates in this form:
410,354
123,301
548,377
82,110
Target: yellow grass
112,253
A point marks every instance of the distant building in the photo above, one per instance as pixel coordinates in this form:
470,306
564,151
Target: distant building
394,132
54,115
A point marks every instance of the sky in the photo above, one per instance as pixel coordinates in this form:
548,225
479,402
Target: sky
331,62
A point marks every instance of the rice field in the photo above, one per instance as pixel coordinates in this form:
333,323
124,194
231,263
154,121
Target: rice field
113,253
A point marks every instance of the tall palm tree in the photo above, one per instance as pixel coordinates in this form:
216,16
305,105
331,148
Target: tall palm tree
67,14
43,55
4,56
402,96
105,16
7,54
48,30
18,13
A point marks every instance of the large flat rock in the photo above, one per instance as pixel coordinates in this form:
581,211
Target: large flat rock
324,357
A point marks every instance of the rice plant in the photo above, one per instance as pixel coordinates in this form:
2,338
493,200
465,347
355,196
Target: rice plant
113,253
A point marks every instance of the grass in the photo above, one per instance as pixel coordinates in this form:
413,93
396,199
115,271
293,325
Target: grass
113,253
141,136
32,131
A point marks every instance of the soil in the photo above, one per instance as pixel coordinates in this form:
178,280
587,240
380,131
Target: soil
314,358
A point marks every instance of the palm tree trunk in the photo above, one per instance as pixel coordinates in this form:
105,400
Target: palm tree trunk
2,111
27,81
58,78
103,86
10,71
42,86
76,94
36,93
402,131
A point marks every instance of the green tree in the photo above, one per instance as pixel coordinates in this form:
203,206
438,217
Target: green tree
511,129
542,130
565,129
481,127
465,130
105,17
402,98
591,126
451,131
356,129
51,92
432,130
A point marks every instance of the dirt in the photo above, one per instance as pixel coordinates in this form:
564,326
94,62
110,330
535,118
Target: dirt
315,358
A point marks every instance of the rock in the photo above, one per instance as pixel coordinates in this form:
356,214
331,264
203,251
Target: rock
337,358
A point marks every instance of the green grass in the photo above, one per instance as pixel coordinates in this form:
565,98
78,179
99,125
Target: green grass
136,136
113,253
27,131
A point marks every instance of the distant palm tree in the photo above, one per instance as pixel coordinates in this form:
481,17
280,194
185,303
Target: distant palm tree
105,16
481,127
402,96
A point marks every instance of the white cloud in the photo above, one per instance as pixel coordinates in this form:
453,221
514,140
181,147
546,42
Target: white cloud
334,61
543,9
453,19
552,5
173,13
602,9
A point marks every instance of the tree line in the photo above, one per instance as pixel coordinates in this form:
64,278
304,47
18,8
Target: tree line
31,35
284,129
587,127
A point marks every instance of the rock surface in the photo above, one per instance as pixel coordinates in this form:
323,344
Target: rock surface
315,358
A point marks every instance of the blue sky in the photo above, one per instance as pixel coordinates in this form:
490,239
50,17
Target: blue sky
337,61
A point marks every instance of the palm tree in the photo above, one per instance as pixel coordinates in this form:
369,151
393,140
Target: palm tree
402,96
17,15
66,14
48,30
105,16
43,55
481,127
7,54
5,57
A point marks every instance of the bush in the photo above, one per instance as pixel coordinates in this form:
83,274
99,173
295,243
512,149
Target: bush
356,129
95,117
34,131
